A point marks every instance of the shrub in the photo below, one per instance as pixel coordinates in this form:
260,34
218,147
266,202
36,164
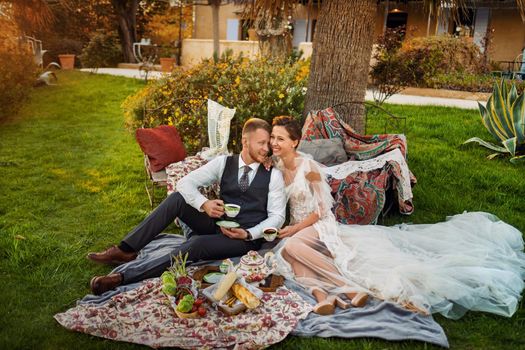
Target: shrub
390,72
428,57
256,88
467,82
103,50
17,71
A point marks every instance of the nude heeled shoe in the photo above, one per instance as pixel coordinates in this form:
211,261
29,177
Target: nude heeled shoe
341,303
325,307
360,299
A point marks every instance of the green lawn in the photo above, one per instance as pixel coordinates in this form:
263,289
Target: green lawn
71,181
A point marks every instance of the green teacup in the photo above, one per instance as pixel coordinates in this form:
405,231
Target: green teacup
232,210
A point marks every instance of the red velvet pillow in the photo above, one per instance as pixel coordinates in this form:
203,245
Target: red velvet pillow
162,145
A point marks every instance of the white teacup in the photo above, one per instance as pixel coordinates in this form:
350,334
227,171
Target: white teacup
232,210
270,233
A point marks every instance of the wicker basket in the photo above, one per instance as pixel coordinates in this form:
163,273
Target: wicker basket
187,314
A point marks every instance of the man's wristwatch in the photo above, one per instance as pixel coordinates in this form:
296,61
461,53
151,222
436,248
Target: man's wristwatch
248,236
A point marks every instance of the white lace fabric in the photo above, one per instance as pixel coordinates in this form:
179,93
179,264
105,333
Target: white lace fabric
219,120
472,261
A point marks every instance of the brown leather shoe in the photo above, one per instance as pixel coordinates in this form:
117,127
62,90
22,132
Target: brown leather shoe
112,256
101,284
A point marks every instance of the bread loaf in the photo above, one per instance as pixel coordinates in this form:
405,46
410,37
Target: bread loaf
245,296
224,285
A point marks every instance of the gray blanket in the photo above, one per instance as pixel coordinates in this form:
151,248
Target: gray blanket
378,319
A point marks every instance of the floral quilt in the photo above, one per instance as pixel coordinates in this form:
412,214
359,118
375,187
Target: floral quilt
144,316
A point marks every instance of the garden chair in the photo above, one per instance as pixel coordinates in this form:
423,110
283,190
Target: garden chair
154,179
219,118
36,48
146,55
363,197
519,65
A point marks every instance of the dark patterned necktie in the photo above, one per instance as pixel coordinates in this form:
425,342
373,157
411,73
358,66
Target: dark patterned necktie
243,182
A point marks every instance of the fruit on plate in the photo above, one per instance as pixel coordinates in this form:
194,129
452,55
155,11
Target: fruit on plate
202,311
199,301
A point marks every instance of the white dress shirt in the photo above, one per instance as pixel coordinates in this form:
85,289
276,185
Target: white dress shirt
211,173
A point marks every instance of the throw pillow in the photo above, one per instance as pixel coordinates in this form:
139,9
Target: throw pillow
162,145
325,151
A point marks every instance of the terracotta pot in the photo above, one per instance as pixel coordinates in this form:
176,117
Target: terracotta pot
67,61
167,64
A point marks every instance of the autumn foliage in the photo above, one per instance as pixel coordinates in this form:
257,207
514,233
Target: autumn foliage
18,69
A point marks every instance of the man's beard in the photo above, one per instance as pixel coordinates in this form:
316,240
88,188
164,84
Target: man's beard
256,156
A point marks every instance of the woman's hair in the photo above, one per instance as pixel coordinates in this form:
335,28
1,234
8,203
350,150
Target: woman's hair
291,125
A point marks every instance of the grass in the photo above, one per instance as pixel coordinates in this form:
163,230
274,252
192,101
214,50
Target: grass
72,182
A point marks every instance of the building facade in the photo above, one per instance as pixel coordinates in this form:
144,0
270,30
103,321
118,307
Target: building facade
499,18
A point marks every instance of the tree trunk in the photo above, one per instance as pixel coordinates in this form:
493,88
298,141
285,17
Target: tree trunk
126,11
341,56
215,7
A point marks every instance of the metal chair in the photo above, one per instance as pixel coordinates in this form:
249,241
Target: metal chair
156,179
35,46
345,109
519,65
153,180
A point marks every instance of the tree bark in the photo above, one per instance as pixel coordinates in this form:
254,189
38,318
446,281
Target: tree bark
215,7
126,12
341,56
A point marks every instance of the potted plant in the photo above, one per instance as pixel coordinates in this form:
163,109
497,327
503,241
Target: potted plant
67,61
167,59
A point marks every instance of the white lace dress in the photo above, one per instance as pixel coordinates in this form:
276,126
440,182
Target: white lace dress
471,261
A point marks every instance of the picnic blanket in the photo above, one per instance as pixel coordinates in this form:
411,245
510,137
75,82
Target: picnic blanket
138,313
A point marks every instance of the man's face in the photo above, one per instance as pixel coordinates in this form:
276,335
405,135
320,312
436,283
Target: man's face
255,146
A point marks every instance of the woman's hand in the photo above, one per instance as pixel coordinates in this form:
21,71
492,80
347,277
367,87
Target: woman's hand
288,231
268,163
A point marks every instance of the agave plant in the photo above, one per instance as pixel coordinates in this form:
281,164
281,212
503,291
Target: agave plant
504,118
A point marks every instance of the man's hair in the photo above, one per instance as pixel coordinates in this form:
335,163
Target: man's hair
253,124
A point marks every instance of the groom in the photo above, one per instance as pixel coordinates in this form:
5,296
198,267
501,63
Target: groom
243,181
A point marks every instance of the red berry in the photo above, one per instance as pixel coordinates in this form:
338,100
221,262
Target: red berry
194,308
202,311
198,302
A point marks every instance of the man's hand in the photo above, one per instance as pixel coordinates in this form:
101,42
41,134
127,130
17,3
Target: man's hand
214,208
288,231
235,233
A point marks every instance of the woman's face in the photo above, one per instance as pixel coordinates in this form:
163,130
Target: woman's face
281,142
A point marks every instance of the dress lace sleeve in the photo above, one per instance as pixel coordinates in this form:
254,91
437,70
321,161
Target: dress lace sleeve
322,200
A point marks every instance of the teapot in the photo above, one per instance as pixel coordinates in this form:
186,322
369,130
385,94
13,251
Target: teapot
254,267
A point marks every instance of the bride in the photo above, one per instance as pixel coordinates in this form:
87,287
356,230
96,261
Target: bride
472,261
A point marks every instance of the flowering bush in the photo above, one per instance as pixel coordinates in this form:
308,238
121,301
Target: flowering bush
256,88
17,71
